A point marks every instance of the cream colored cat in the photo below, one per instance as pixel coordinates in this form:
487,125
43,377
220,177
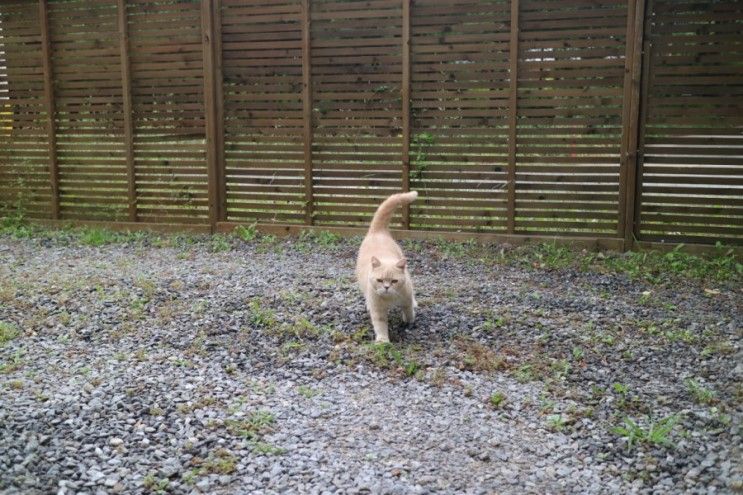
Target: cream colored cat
382,271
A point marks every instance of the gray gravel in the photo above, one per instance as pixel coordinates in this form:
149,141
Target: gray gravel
180,370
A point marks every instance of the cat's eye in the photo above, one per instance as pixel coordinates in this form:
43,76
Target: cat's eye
394,281
380,280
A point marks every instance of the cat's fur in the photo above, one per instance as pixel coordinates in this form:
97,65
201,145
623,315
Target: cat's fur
382,270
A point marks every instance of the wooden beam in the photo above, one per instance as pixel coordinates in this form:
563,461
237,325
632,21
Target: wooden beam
646,76
628,126
512,114
50,107
126,91
405,97
219,111
210,104
634,124
309,202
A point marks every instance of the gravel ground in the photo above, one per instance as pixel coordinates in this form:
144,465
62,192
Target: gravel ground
181,370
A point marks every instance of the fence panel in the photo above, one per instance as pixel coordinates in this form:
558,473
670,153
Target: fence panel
24,150
459,110
167,71
357,109
262,71
570,84
89,127
517,117
691,145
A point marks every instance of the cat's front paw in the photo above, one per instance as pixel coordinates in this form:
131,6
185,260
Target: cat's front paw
382,340
408,316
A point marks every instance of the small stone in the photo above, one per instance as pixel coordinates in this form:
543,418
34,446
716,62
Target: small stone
116,441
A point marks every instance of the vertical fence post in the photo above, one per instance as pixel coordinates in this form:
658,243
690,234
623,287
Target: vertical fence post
126,91
512,113
50,107
645,77
405,97
210,108
219,137
637,129
309,200
630,115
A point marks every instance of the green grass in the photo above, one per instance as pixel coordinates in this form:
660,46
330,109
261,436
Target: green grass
390,356
497,399
319,238
720,265
266,448
155,484
656,433
307,392
246,233
8,332
556,422
253,427
219,243
260,316
12,363
700,394
96,236
221,461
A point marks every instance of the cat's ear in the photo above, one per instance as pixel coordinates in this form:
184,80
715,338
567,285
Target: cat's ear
401,264
375,262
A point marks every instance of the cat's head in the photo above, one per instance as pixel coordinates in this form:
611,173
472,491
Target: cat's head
386,277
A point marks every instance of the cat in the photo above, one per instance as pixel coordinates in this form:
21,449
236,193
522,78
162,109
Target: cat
382,270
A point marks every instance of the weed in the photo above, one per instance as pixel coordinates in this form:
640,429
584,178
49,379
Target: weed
302,328
421,144
701,395
153,484
686,336
156,411
95,236
455,249
578,353
411,368
260,316
189,477
497,399
15,384
292,347
320,238
266,448
221,461
478,357
438,377
556,422
524,373
620,388
13,363
552,256
723,347
560,368
219,243
307,392
8,332
246,233
252,427
655,434
384,355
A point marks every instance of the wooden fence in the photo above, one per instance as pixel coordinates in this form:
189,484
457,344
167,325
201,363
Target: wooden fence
606,121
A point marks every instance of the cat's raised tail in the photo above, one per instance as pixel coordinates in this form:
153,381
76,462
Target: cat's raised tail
382,217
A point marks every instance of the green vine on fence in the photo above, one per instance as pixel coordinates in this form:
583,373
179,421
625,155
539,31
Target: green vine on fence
422,142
